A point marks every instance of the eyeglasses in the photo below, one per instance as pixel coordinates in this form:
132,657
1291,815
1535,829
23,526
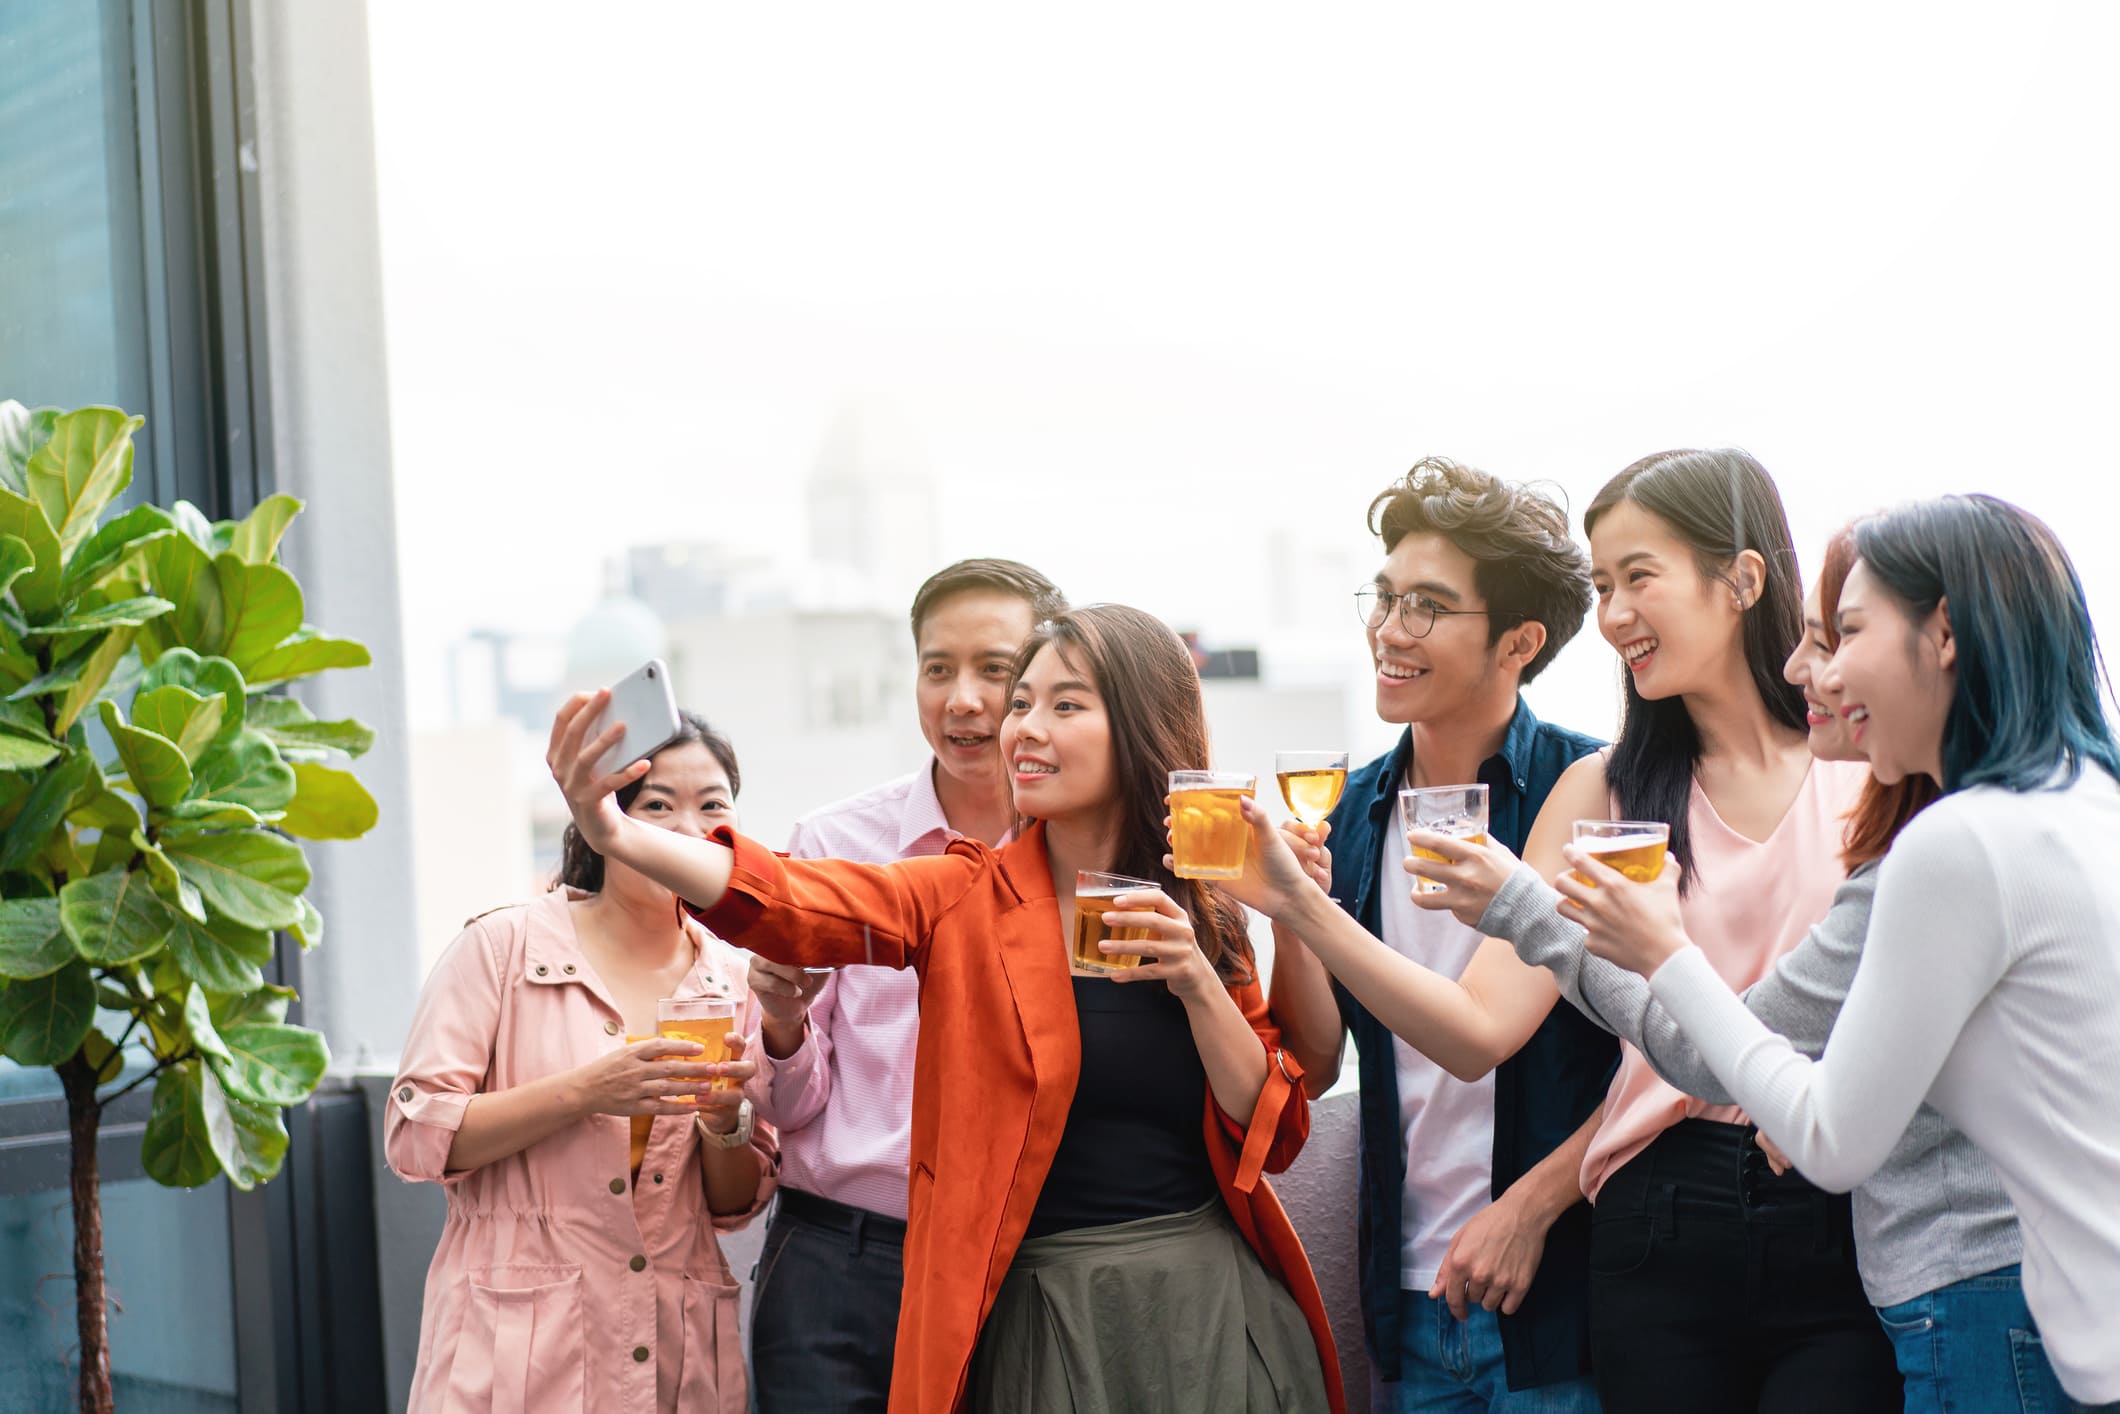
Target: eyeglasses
1417,612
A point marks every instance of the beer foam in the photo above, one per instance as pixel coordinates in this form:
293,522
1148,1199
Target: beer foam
1613,844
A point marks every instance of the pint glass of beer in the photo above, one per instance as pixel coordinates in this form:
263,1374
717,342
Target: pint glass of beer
1457,811
1095,896
1311,782
704,1021
1633,847
1207,829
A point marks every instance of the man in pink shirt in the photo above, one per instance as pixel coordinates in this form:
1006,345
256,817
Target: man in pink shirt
835,1073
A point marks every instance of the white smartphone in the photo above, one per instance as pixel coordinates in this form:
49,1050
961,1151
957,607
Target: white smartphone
643,701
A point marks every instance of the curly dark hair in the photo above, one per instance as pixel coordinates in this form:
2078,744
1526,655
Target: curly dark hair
1526,566
581,867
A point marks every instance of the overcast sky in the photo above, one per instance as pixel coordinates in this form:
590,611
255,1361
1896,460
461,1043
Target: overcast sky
1146,282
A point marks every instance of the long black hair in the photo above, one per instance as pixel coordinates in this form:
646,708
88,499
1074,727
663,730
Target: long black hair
1720,503
581,867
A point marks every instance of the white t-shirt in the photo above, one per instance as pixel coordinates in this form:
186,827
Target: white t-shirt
1446,1124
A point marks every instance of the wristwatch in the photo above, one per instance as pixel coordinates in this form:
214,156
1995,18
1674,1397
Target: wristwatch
735,1138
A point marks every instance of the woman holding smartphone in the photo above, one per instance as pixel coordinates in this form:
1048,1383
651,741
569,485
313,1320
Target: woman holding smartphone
589,1165
1990,981
1088,1228
1714,1283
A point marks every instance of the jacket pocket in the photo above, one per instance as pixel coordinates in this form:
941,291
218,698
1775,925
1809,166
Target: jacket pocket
712,1376
521,1345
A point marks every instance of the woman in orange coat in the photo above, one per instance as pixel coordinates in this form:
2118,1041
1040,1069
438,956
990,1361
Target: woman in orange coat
1088,1226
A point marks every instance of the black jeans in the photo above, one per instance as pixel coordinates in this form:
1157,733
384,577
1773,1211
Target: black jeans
1715,1285
824,1310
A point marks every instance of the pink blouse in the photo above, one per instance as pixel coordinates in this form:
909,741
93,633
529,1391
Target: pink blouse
1751,902
558,1284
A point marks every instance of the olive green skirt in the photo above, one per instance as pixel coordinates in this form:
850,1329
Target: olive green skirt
1174,1315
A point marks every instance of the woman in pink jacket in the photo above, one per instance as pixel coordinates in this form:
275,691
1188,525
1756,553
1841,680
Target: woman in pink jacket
588,1171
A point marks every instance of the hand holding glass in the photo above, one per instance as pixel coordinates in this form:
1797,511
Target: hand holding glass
1097,894
1457,811
704,1021
1633,847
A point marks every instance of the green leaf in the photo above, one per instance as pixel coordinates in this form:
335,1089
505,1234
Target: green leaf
266,1003
16,560
107,811
198,1022
245,769
117,540
19,753
125,613
56,792
157,769
176,1150
180,667
102,1055
102,661
305,653
181,572
84,465
180,715
290,726
219,955
175,889
43,1021
22,431
248,1140
256,538
193,522
36,592
263,604
273,1064
310,931
197,815
253,878
115,917
32,944
328,804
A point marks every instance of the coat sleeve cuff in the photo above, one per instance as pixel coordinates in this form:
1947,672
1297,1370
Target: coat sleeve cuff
419,1131
1258,1138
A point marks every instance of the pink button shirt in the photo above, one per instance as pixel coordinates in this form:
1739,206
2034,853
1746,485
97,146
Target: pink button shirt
1751,902
843,1102
558,1284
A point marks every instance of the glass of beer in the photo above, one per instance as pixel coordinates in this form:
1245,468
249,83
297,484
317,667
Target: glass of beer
1457,811
1633,847
704,1021
1207,829
1311,782
1095,896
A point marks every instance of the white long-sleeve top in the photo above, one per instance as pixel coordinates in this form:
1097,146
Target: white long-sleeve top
1989,987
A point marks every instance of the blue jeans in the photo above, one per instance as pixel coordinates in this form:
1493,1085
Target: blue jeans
1971,1346
1449,1366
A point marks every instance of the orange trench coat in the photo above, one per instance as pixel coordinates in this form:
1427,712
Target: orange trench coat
995,1074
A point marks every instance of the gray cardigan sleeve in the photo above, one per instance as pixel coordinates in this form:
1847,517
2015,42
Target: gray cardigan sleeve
1799,999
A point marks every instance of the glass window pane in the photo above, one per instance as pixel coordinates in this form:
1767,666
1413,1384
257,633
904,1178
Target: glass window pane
73,326
172,1304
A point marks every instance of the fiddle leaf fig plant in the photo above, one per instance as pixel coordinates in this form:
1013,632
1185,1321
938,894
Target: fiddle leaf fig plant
152,796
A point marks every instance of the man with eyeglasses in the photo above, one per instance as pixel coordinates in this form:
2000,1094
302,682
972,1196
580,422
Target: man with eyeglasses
1474,1236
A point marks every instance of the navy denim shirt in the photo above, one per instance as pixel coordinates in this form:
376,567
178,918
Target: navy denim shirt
1542,1094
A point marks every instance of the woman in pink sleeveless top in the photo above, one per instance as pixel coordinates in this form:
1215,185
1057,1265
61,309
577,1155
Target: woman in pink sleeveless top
1715,1283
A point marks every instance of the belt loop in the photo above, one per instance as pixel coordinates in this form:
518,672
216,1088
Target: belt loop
861,1222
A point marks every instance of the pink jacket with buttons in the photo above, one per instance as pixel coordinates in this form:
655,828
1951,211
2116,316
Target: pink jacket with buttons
558,1283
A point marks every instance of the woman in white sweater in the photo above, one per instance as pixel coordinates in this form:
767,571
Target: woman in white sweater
1990,983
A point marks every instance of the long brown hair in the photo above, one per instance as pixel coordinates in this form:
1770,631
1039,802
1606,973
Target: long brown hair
1151,693
1882,811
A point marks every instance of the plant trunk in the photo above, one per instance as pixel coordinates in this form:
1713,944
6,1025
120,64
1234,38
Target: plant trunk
90,1313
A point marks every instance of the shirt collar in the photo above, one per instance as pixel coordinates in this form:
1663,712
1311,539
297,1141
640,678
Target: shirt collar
1515,755
552,951
923,811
